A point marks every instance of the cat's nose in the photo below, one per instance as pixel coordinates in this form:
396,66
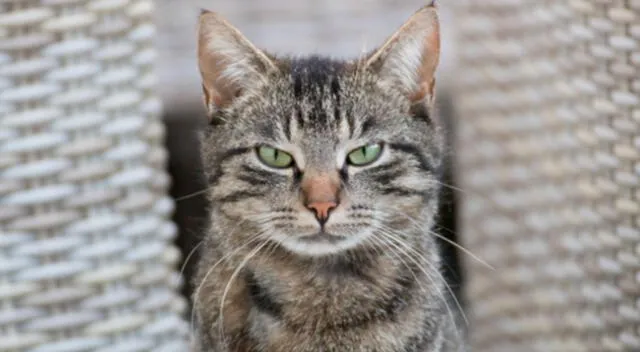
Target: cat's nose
322,209
320,193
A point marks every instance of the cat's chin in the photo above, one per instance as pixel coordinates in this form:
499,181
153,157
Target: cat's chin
319,244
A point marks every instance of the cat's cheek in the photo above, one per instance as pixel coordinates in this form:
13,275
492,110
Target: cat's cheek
242,209
417,182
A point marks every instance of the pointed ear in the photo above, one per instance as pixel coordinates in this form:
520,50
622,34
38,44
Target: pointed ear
408,59
229,64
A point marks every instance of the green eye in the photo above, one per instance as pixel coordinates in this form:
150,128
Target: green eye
275,157
365,154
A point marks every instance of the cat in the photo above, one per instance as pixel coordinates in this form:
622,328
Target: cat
323,184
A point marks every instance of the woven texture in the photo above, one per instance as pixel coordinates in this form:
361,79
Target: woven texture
549,160
86,261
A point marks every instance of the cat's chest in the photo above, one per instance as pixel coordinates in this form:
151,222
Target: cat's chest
331,298
280,309
311,302
376,336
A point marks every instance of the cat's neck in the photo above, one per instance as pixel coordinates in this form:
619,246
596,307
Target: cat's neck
374,300
341,291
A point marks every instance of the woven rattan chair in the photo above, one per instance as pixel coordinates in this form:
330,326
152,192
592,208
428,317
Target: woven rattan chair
549,160
86,260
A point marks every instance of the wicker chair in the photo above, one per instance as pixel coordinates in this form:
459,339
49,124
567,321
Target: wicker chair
86,260
549,159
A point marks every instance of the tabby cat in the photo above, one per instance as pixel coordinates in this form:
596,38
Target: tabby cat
323,183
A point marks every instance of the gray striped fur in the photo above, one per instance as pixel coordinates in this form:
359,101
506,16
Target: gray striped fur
377,288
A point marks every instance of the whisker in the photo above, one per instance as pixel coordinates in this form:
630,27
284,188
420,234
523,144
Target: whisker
449,231
453,243
186,260
443,298
463,249
192,195
502,210
397,255
398,242
230,281
452,187
390,234
196,296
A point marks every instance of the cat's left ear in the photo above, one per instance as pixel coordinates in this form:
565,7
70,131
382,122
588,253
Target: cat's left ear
408,59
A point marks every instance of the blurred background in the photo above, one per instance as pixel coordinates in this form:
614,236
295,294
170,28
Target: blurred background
100,213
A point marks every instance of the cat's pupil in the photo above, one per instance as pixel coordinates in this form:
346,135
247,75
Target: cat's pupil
363,151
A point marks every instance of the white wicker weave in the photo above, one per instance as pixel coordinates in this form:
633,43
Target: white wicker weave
549,106
86,255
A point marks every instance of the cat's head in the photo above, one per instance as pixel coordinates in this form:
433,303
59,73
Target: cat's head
316,154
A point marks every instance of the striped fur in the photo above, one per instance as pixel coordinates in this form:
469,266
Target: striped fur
376,286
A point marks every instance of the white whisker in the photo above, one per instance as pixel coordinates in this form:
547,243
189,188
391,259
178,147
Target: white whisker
186,260
499,208
230,281
453,243
192,195
196,296
391,236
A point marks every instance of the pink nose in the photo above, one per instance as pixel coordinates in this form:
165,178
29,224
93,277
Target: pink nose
322,209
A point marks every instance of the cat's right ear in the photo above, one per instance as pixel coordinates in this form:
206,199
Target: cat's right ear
229,63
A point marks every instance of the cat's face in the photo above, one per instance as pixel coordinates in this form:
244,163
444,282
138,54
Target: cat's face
318,155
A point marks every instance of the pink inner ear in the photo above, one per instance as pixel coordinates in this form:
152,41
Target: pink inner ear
210,100
217,100
205,96
431,56
415,75
433,48
434,40
223,49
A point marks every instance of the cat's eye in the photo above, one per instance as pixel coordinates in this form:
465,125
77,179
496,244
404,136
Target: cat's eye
275,158
365,155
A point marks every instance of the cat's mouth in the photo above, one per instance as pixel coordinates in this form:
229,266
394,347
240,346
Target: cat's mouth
322,237
319,241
